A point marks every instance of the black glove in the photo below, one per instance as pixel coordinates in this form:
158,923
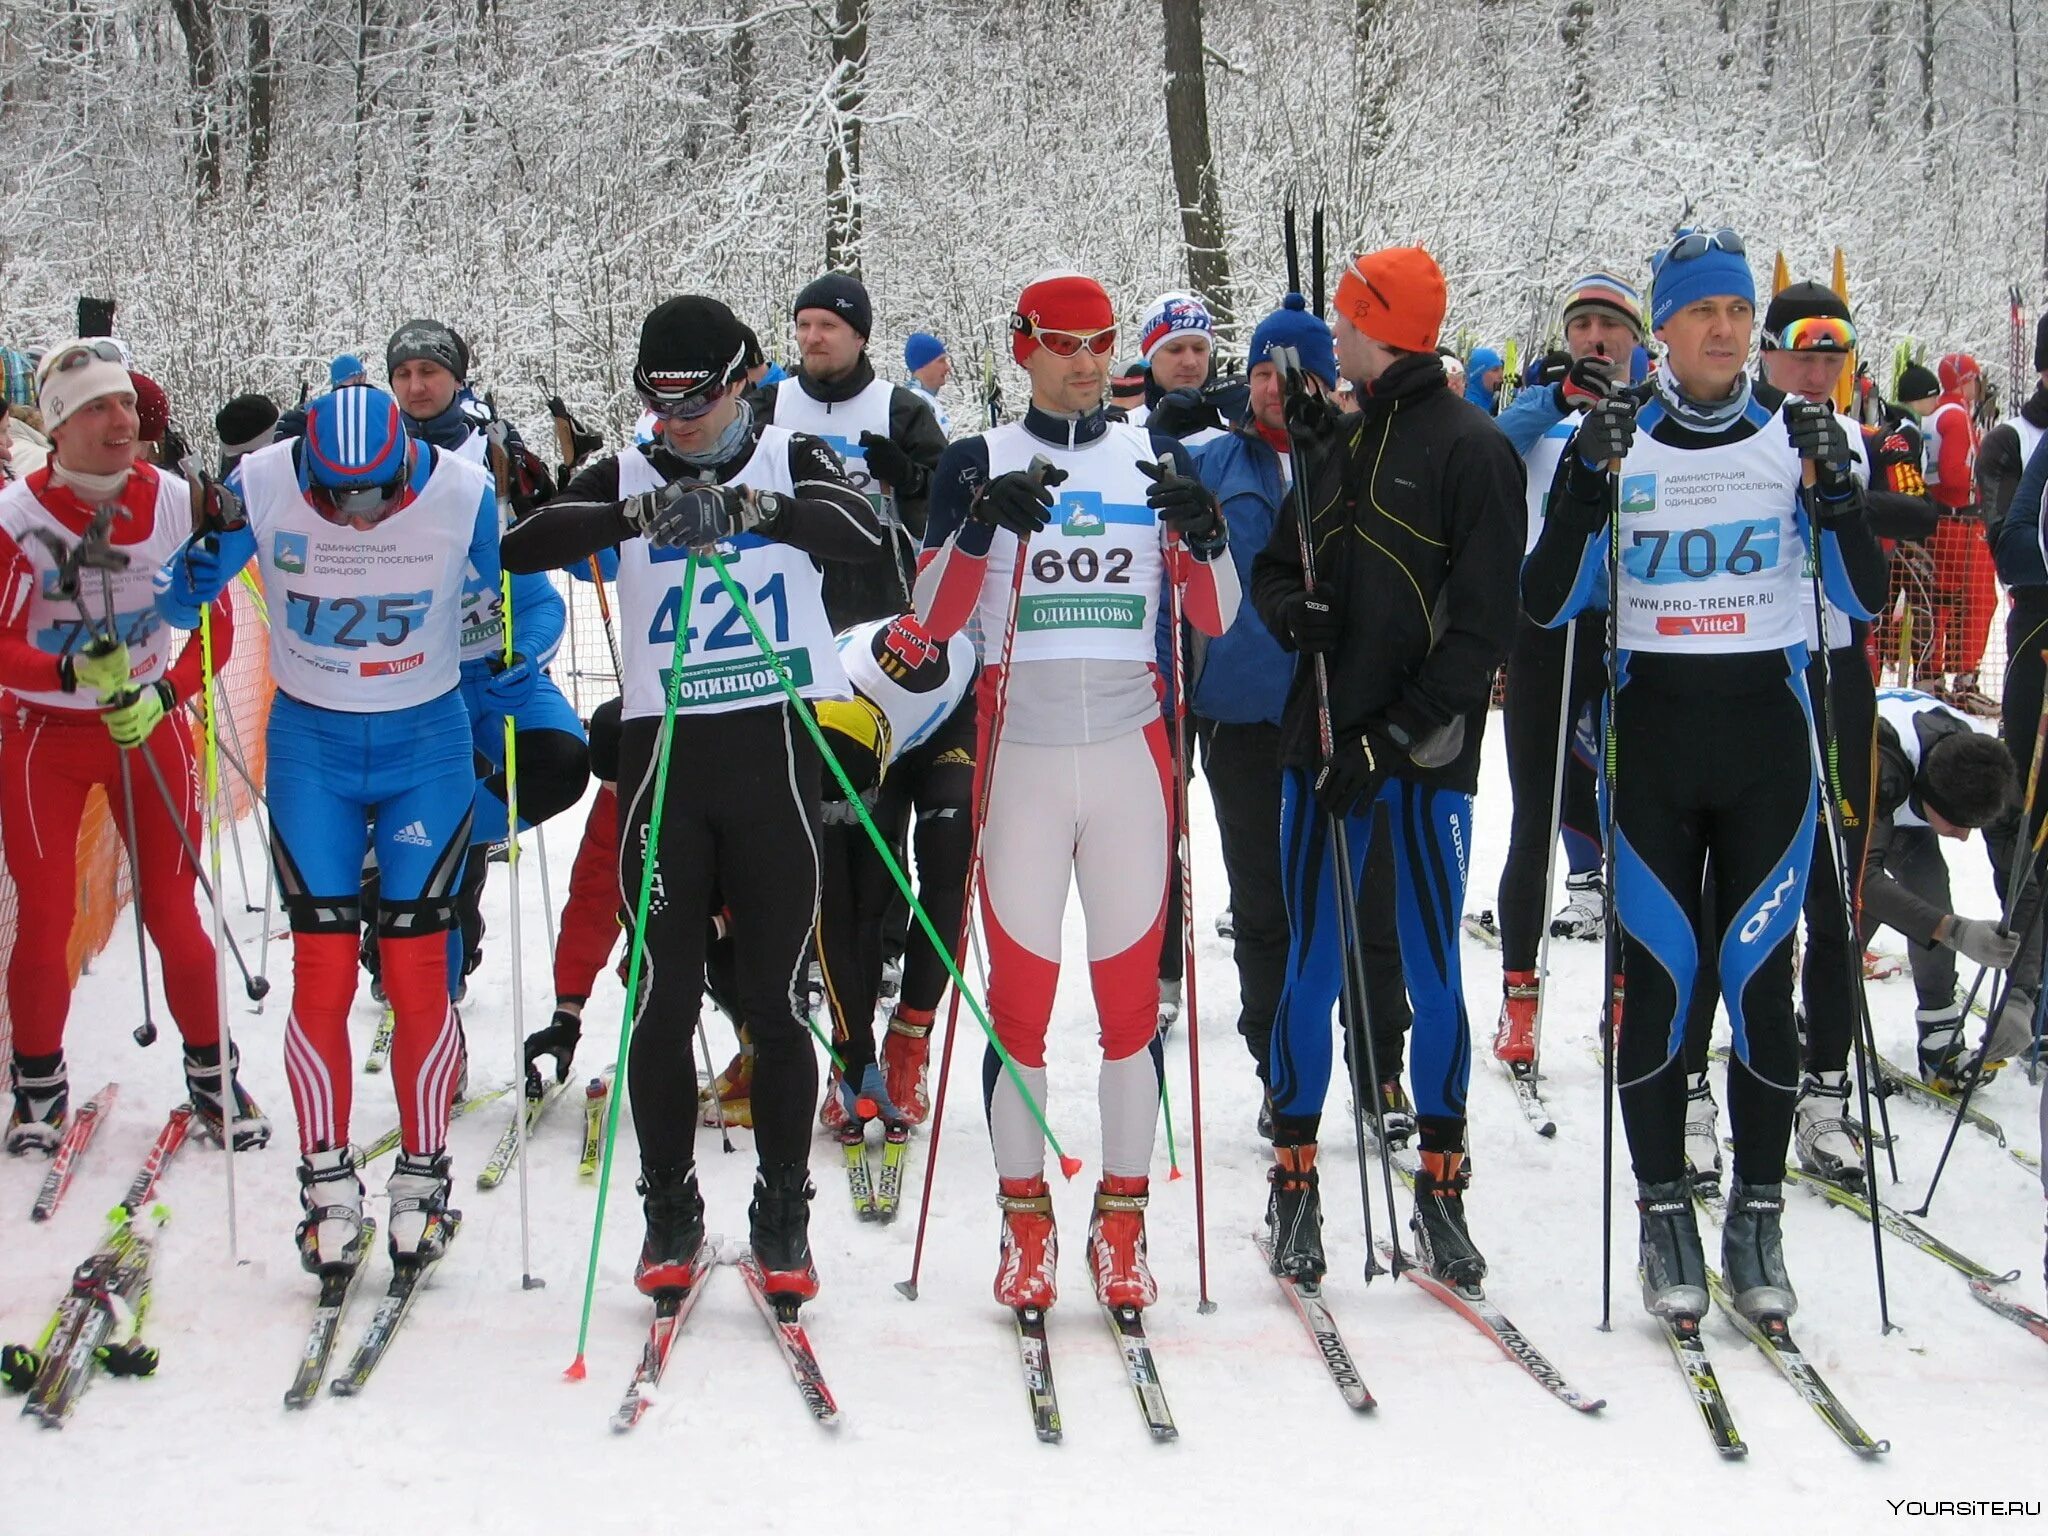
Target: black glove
1818,438
1016,501
215,508
1553,366
1314,622
1310,416
558,1040
1184,504
700,515
1181,411
1606,434
1588,381
1362,759
887,462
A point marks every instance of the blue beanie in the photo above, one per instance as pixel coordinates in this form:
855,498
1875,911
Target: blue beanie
1291,325
921,350
1713,273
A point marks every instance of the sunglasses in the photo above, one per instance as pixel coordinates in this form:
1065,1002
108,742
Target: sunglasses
1689,247
1068,343
1815,333
79,354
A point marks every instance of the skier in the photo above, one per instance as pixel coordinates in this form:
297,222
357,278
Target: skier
1966,583
1808,334
1238,701
1938,777
1603,324
1416,518
78,708
742,812
1484,370
2002,455
1078,761
428,366
1711,729
929,365
907,740
361,536
885,434
1183,396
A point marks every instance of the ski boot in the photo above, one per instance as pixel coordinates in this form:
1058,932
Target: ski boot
1397,1113
1442,1240
1116,1243
1294,1215
1029,1254
1226,924
419,1188
1965,695
202,1081
731,1094
42,1103
1169,1004
1826,1139
1514,1038
1702,1134
904,1051
1674,1265
780,1231
1753,1252
675,1230
1944,1053
330,1237
1584,913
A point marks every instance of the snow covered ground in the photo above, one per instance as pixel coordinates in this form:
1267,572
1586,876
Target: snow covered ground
469,1425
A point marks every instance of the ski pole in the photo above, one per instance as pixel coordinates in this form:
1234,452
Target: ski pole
1354,1008
258,987
1177,557
547,895
1068,1165
144,1033
1564,747
636,947
527,1279
238,759
1611,949
220,929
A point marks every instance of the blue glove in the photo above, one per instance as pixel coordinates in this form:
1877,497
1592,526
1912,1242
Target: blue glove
507,689
193,578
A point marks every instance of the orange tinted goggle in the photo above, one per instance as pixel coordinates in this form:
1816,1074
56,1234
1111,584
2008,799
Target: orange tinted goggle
1816,333
1067,343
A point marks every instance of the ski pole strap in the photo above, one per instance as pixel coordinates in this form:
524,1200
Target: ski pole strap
1069,1166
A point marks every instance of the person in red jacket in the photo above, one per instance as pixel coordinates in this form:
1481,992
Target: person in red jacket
1966,597
89,675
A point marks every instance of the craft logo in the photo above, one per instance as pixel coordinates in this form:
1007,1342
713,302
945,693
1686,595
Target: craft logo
392,668
1706,624
288,553
1638,494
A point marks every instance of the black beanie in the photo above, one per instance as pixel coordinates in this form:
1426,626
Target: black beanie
1801,301
2041,344
1916,383
843,295
245,424
430,340
689,345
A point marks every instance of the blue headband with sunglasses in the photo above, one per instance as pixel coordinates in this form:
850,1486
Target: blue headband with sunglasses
1699,264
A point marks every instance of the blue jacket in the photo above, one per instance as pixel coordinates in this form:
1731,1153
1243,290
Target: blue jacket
1476,366
1243,678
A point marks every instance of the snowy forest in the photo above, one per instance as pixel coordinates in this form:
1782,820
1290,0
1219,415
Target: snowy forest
262,183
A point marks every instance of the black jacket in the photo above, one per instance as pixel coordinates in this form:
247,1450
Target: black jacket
1999,464
1885,900
1416,519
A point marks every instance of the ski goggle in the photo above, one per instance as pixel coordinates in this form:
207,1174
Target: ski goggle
1814,333
688,407
1692,246
1068,343
79,353
363,506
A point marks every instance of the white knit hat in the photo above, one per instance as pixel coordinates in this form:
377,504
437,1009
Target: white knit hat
72,376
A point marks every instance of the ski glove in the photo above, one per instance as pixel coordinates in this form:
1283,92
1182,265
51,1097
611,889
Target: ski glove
509,688
558,1040
1817,437
1185,505
1607,434
698,516
1359,765
1181,411
101,667
1016,501
1981,940
193,578
1588,381
215,508
1310,416
131,720
2013,1030
888,463
1314,622
1552,367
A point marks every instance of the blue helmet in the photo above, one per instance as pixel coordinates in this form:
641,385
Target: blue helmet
353,458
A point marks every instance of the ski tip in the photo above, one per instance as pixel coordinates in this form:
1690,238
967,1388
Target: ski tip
577,1370
1069,1166
907,1289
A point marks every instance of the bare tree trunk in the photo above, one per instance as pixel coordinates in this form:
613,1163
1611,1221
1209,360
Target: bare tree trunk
1572,28
197,21
362,64
740,59
1369,93
842,152
1194,171
1880,60
1927,66
1724,18
262,93
2012,27
1773,11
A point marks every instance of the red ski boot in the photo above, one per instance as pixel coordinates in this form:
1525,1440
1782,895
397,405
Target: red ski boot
1030,1248
1116,1243
905,1049
1514,1039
